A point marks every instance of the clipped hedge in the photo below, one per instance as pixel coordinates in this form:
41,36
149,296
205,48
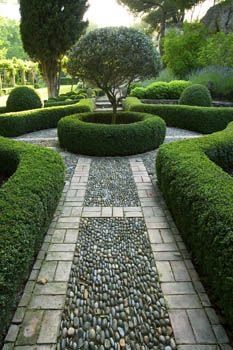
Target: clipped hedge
161,90
23,98
92,133
196,95
199,194
205,120
27,204
15,124
60,103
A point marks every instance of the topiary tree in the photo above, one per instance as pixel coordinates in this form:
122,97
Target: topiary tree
113,57
23,98
196,95
49,28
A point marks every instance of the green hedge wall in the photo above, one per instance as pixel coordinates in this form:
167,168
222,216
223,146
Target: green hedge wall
19,123
92,134
27,204
205,120
60,103
161,90
200,196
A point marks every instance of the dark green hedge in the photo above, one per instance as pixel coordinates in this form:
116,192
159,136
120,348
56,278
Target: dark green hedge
161,90
92,134
196,95
19,123
27,204
2,110
23,98
200,196
205,120
60,103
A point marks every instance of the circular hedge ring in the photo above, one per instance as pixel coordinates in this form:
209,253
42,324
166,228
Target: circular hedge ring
93,133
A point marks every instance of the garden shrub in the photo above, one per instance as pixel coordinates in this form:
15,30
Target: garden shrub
92,134
23,98
3,110
196,95
205,120
219,80
199,194
60,103
15,124
27,204
161,90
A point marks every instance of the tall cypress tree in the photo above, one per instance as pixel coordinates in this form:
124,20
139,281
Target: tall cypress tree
49,28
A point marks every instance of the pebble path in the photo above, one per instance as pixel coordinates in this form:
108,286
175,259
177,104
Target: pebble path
113,272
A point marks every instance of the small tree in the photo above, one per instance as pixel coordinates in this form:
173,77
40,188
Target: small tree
113,57
49,28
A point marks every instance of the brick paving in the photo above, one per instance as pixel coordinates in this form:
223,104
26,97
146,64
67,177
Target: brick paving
36,322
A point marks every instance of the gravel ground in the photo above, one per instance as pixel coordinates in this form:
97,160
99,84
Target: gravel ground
48,138
111,183
114,300
48,133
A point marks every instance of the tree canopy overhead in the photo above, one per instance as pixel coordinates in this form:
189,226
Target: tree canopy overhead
160,13
113,57
49,28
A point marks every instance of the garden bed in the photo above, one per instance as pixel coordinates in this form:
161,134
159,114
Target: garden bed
176,102
205,120
93,133
199,194
27,204
19,123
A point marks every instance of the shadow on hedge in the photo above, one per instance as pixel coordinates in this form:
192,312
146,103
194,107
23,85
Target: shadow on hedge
199,192
27,204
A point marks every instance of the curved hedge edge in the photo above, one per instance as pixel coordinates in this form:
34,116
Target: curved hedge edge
205,120
60,103
19,123
200,196
102,139
28,201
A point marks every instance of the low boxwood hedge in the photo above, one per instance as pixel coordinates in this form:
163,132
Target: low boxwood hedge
60,103
19,123
92,133
161,90
27,204
205,120
199,194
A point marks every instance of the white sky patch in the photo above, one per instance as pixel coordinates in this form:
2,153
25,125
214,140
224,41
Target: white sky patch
101,12
106,13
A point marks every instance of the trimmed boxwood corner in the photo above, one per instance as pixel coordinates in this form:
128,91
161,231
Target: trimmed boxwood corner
199,194
205,120
27,204
19,123
92,133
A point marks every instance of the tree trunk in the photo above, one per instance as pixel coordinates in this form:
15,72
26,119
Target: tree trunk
23,77
114,112
50,74
113,101
162,35
13,79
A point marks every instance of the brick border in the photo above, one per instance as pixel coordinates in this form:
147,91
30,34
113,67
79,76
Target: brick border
36,322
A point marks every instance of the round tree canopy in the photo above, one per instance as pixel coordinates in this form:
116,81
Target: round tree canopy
115,56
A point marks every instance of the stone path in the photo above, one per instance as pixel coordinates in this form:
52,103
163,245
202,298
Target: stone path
113,272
